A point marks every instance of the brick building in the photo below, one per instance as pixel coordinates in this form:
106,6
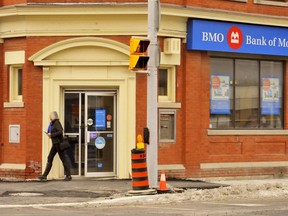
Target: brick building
222,86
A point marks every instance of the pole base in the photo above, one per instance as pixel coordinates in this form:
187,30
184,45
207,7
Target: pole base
164,191
141,192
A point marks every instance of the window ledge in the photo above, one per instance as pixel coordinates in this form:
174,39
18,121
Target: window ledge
171,167
267,2
239,0
246,132
13,104
170,105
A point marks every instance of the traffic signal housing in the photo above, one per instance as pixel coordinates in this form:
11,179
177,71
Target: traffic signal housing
138,54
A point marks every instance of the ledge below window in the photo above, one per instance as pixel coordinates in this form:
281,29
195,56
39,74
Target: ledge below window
238,0
169,105
246,132
13,104
273,3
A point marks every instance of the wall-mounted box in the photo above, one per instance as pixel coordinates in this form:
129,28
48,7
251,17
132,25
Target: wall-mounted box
14,133
167,125
172,46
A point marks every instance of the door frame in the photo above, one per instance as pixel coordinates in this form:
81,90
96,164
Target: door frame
67,91
113,93
94,92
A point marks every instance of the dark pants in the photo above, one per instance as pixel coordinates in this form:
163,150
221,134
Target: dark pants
54,150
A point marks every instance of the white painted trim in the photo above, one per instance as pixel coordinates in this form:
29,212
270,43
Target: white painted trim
238,0
78,42
80,63
14,57
13,166
272,3
13,104
169,105
247,132
234,165
171,167
26,13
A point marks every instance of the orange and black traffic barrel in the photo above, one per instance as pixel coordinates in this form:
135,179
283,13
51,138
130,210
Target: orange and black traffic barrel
139,170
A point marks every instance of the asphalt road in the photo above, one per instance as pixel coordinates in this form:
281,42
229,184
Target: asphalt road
271,207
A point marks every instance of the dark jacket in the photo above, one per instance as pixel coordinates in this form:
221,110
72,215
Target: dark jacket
56,132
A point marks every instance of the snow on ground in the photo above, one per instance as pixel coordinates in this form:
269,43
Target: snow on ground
240,191
246,191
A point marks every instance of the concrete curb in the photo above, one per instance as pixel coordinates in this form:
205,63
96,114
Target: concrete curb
115,202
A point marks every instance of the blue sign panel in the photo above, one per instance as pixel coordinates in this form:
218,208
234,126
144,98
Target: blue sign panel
220,94
100,119
238,38
270,99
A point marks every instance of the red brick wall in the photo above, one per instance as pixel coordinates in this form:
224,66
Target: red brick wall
13,153
248,7
192,146
201,148
79,1
141,99
173,153
12,2
1,102
29,151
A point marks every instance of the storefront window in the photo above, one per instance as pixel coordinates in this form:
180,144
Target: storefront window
221,99
246,93
271,94
257,87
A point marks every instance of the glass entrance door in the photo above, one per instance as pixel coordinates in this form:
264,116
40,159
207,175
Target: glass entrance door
90,125
100,145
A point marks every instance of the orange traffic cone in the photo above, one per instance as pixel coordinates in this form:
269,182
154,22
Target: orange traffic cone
162,185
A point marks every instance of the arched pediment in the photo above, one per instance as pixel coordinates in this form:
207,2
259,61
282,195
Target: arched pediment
85,51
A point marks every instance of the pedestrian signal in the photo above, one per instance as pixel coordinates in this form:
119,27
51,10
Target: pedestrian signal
138,54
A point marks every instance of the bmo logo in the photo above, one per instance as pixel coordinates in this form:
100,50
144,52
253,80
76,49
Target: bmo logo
235,37
213,37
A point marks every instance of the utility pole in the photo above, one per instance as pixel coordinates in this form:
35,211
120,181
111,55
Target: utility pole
152,92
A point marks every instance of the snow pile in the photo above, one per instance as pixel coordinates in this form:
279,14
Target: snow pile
234,192
247,191
240,191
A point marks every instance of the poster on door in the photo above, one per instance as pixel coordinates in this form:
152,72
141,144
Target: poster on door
220,94
270,103
100,119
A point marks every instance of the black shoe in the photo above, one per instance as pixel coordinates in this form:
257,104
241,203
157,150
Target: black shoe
68,178
42,178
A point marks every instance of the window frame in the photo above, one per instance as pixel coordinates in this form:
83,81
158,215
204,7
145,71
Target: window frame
171,85
259,128
14,83
167,111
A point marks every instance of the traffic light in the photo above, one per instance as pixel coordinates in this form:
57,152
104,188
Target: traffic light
138,54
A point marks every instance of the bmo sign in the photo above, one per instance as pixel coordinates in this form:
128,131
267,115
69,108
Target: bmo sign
235,37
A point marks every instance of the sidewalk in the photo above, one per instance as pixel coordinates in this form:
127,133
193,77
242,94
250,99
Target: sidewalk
96,192
77,190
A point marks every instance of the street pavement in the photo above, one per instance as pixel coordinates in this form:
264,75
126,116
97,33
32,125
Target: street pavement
273,207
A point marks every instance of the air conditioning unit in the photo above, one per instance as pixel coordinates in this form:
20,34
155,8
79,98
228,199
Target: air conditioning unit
172,46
